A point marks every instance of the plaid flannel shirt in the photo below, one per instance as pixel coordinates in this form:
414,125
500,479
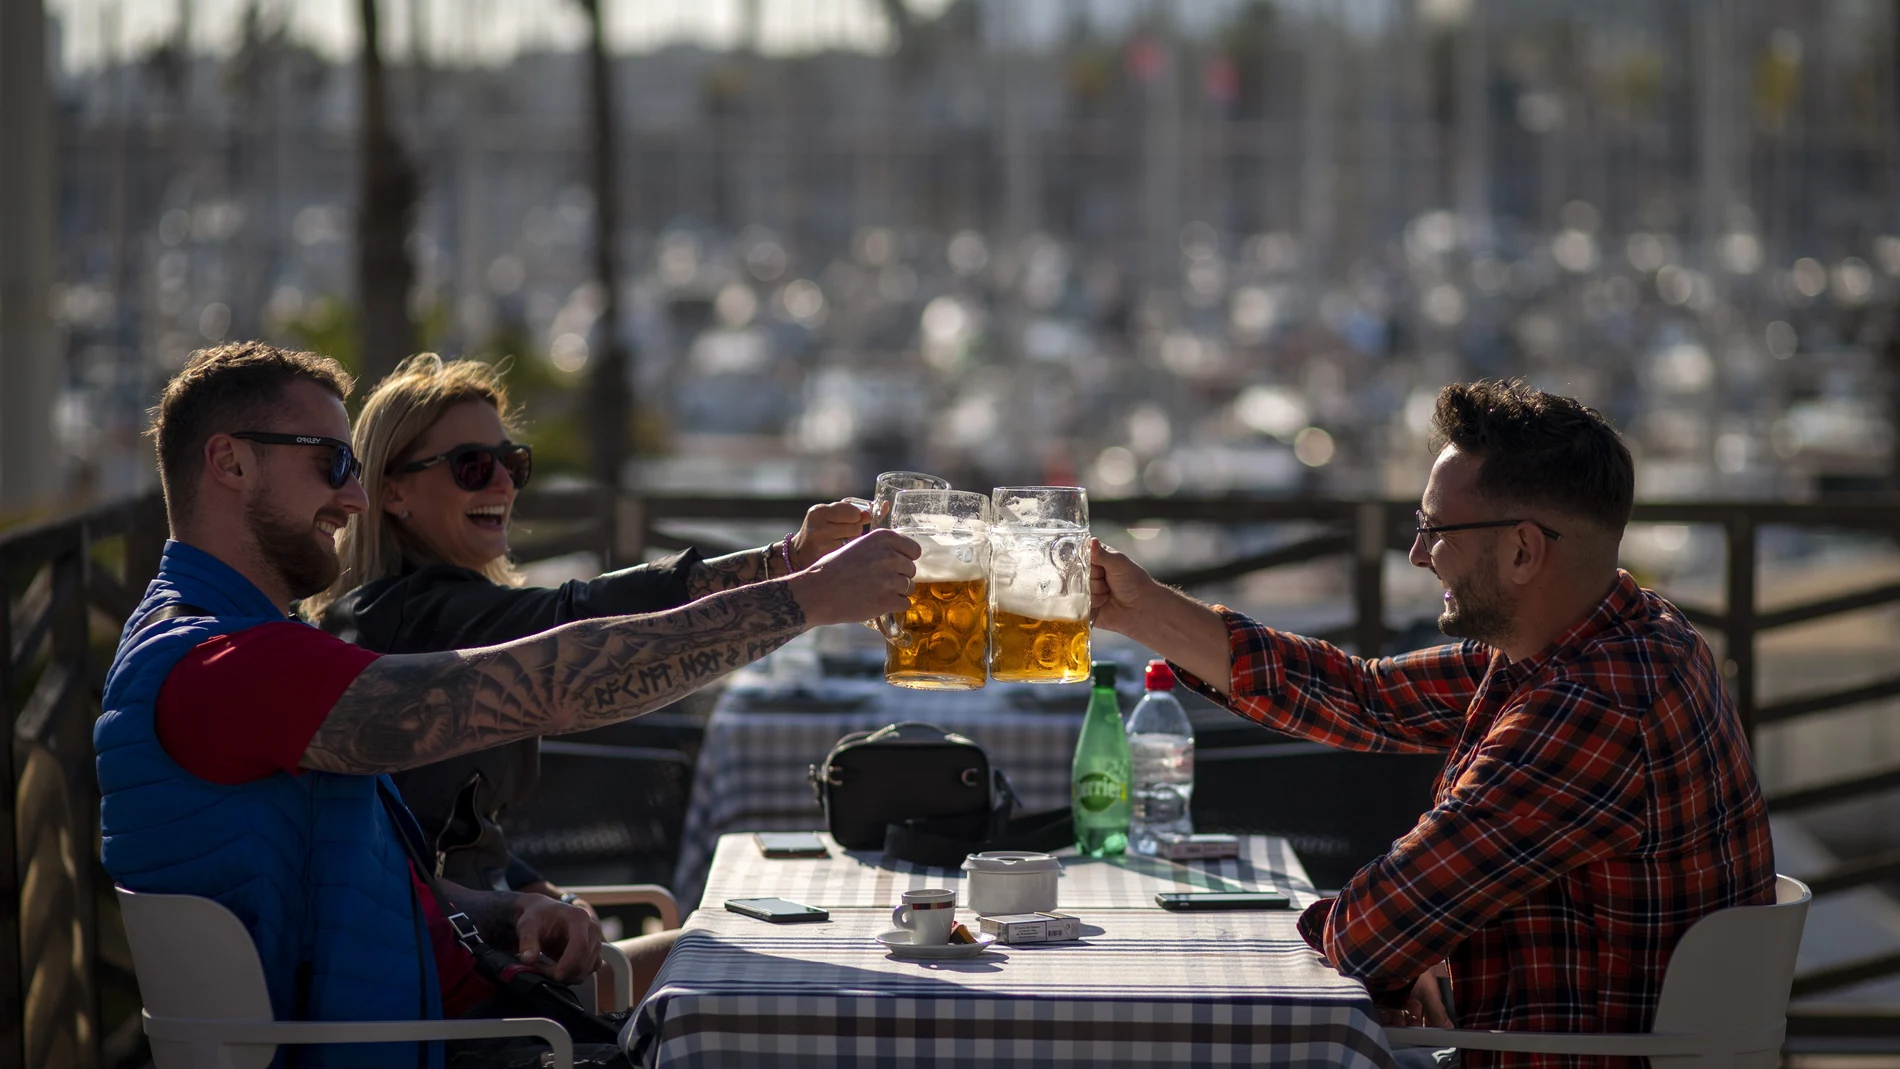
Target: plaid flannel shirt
1598,799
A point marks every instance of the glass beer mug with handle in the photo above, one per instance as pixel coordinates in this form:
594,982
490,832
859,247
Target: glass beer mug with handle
946,630
1039,584
889,484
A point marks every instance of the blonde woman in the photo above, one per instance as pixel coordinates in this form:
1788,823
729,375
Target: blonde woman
426,568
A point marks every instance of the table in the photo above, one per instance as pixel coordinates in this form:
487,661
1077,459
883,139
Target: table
1142,987
761,737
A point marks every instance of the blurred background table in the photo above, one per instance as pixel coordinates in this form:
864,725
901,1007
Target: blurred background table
1142,987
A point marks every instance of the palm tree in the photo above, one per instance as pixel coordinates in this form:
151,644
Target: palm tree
385,210
610,394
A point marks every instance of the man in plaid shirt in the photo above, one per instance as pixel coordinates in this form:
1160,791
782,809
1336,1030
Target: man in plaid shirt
1599,796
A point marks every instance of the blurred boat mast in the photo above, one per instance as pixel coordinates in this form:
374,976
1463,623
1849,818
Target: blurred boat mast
29,360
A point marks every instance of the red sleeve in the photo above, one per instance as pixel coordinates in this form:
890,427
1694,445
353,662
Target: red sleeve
242,706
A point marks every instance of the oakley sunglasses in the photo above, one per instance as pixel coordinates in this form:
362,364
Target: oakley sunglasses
473,466
343,463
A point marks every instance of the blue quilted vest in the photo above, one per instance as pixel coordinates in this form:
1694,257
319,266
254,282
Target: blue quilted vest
310,863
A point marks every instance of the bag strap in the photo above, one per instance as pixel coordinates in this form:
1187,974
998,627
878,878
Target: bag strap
542,995
935,841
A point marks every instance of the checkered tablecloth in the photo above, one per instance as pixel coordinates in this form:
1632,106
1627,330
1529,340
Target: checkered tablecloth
1142,987
750,775
860,879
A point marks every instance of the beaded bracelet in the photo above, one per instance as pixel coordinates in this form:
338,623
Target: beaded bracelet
785,550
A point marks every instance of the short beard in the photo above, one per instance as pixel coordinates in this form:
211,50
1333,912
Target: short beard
1479,610
296,553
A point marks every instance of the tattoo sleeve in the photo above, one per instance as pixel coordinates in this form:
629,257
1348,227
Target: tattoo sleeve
729,572
405,711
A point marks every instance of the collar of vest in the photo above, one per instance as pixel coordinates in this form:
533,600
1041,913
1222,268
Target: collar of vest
203,580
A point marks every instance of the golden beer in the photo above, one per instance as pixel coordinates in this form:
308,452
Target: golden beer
948,630
1026,650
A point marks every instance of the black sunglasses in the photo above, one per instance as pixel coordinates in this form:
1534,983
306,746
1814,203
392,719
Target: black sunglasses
473,466
343,463
1425,529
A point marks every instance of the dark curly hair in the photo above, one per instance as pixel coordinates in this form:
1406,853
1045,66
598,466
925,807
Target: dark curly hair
231,387
1539,449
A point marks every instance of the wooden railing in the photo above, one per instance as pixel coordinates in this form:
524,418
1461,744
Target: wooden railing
68,586
66,995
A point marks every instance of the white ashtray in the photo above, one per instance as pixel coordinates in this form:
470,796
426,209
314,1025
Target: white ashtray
1012,881
897,941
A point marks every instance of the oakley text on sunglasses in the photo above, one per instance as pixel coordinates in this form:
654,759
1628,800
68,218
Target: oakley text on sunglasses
472,466
343,463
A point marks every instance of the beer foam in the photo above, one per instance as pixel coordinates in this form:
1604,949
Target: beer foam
925,523
1073,606
946,568
941,561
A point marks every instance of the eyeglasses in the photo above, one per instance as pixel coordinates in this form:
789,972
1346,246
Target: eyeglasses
1427,529
473,466
343,463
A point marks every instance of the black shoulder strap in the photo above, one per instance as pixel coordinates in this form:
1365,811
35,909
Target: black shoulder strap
943,842
170,612
545,997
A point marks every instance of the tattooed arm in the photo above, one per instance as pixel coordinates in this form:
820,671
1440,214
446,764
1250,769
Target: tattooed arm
730,572
406,711
826,529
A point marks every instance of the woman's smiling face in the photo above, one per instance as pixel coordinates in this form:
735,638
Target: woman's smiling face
466,528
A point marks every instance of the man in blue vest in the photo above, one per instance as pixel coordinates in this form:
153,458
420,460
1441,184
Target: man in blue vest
242,755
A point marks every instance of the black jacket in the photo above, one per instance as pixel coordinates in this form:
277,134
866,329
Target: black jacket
439,607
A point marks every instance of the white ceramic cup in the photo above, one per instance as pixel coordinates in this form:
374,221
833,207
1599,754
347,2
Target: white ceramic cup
928,915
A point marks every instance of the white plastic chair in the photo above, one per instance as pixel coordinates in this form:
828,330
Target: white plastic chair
1724,997
633,894
207,1007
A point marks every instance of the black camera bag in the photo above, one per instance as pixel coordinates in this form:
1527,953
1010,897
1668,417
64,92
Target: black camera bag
925,795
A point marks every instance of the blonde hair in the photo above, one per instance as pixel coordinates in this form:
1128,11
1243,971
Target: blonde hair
402,408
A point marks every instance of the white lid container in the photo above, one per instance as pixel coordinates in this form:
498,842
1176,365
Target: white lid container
1012,881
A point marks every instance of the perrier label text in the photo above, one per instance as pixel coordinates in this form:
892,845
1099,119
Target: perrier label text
1096,791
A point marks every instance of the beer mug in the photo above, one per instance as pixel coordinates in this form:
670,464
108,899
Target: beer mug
888,486
945,637
1039,584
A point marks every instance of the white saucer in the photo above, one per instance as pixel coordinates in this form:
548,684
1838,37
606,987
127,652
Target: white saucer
897,941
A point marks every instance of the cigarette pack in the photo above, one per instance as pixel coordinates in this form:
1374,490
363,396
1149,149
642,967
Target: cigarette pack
1019,928
1177,847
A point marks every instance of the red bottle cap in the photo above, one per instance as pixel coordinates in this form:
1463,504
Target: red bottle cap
1159,676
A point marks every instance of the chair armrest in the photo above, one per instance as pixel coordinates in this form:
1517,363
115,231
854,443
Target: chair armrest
623,975
1625,1045
634,894
279,1033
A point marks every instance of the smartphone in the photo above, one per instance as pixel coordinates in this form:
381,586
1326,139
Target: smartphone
777,910
1221,900
790,844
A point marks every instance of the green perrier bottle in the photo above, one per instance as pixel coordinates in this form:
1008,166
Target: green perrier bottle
1098,787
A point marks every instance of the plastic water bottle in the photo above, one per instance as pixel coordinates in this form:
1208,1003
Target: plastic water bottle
1161,750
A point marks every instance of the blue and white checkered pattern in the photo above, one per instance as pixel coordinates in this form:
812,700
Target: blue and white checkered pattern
1142,986
863,879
